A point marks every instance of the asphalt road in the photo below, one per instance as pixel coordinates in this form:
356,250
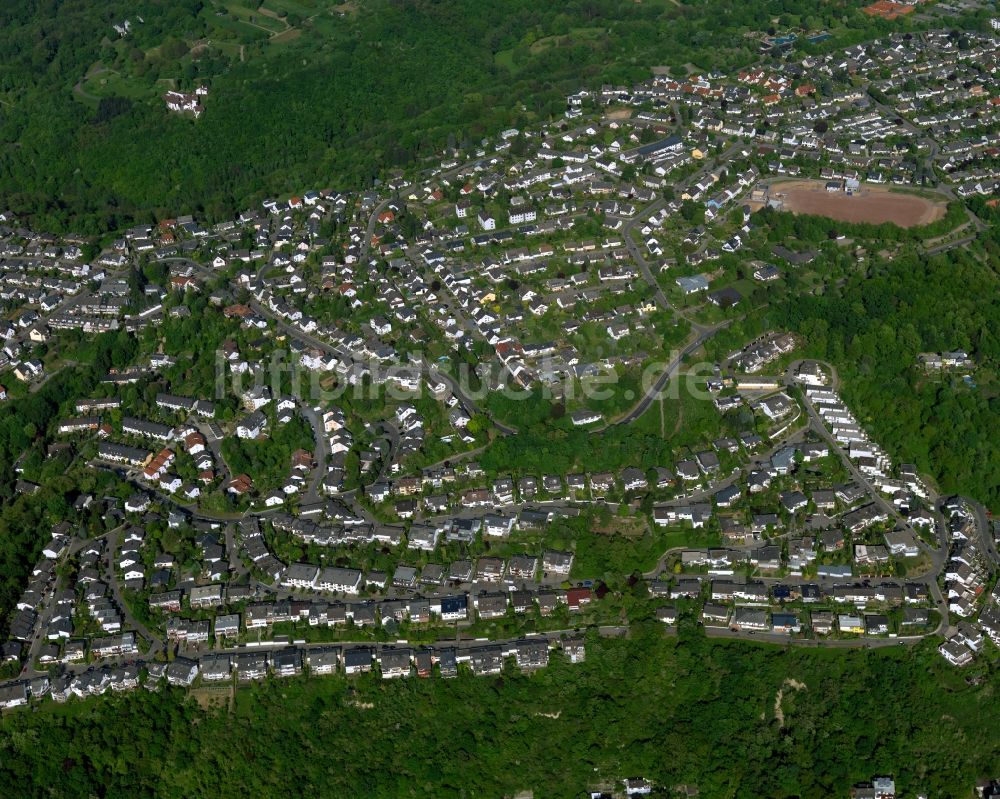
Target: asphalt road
320,448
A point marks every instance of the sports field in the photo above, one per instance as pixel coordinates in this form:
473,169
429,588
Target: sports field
873,204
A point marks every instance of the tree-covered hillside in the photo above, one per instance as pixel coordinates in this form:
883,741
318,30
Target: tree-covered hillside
875,326
730,720
312,93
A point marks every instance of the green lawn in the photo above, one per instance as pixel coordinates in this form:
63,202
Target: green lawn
302,9
253,18
111,84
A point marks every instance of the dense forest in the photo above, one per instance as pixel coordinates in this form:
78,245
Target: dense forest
336,100
874,327
731,720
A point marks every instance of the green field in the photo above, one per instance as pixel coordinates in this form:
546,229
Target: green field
301,9
240,26
255,19
111,84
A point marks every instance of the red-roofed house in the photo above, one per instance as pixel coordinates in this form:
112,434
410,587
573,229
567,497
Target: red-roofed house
576,598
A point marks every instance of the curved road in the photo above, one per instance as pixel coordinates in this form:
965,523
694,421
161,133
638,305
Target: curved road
671,371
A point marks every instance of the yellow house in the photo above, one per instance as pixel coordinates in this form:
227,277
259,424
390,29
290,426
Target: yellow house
850,624
698,154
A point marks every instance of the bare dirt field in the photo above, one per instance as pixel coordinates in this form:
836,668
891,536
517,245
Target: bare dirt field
213,696
872,204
